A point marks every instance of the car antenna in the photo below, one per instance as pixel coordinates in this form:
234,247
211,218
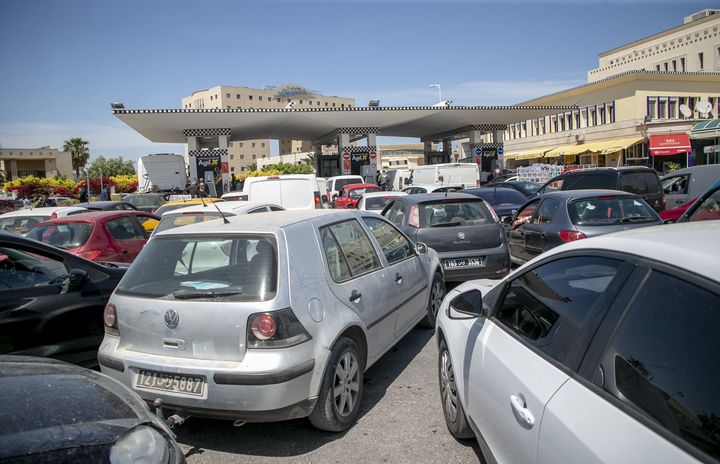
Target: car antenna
214,203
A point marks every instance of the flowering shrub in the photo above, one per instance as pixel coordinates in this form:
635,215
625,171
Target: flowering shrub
124,184
278,169
33,186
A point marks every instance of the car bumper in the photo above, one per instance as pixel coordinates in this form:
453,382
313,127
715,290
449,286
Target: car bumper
267,385
496,264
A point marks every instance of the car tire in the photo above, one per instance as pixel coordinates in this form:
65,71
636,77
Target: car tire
437,293
344,372
453,411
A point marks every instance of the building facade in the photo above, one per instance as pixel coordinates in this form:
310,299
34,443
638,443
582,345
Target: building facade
39,162
243,153
629,113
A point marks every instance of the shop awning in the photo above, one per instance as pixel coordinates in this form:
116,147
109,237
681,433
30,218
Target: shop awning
669,144
526,154
604,147
706,129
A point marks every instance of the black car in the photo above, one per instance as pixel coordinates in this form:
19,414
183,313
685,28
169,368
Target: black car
460,227
504,201
107,206
559,217
147,202
526,188
52,302
54,412
640,180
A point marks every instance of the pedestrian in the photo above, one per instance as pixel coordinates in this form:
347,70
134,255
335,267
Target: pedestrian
233,182
82,195
105,193
26,202
440,180
192,188
202,189
377,177
384,178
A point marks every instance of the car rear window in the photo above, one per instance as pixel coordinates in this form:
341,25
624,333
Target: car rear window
601,211
588,181
207,268
640,183
19,224
144,200
450,213
172,221
65,236
340,183
376,203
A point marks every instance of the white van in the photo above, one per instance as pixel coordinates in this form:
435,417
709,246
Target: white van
397,178
465,174
687,184
334,184
291,191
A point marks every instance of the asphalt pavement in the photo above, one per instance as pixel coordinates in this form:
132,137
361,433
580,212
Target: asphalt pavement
401,421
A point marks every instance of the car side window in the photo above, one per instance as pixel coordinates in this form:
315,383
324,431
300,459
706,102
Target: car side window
276,208
25,269
549,305
262,209
661,359
546,211
639,183
396,213
709,209
525,214
394,245
676,184
123,229
348,250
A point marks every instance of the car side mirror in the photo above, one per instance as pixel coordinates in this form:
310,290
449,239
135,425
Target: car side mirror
467,305
76,279
421,248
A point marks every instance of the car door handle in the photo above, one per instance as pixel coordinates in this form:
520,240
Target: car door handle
355,296
398,278
520,407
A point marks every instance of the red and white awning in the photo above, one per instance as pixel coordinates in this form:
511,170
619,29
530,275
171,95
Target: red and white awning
670,144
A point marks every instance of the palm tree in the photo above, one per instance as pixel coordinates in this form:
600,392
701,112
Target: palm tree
79,152
311,160
252,167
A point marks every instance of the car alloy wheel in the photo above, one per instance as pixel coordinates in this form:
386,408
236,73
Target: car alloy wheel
437,294
448,389
347,384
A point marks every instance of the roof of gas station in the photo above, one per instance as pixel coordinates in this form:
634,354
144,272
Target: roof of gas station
167,125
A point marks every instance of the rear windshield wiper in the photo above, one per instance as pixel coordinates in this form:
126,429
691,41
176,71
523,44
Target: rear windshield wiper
636,218
446,224
189,294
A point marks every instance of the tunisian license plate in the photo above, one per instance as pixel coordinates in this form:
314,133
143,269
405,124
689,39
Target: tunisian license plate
176,383
463,262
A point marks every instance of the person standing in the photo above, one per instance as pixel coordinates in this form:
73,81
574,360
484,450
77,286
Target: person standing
202,189
82,195
105,194
440,180
384,178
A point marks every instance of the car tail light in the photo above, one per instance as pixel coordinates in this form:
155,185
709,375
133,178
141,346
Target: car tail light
195,212
318,201
110,319
571,235
91,255
414,220
275,329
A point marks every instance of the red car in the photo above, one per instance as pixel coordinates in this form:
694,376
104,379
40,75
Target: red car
672,215
351,193
98,236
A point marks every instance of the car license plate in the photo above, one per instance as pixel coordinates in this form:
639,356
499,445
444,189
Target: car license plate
176,383
463,262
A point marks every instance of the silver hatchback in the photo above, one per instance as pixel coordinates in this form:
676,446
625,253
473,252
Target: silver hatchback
273,316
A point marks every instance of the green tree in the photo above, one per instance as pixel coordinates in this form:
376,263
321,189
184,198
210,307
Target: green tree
111,167
252,167
79,152
311,160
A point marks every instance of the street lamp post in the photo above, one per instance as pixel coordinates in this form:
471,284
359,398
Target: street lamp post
439,91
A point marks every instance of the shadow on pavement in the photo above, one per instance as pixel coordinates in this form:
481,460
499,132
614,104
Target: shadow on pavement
298,437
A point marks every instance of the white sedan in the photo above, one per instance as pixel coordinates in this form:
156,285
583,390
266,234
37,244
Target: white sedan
601,350
21,221
375,201
431,188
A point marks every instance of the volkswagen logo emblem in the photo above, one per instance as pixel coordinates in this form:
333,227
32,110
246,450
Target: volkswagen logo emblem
172,318
461,235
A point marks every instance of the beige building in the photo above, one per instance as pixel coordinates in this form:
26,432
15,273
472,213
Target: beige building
401,156
691,47
39,162
243,153
621,117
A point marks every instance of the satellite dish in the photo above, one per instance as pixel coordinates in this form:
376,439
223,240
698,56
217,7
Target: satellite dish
704,107
685,111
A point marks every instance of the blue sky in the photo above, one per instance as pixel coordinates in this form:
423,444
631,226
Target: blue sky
63,61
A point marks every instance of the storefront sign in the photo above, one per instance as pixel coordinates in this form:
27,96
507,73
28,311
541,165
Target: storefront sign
670,144
711,149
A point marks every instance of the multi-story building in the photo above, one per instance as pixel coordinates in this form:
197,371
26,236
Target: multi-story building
630,113
38,162
243,153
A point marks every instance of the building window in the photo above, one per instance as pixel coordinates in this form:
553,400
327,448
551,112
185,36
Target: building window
237,96
263,156
342,105
611,111
211,97
326,103
662,108
542,125
249,97
301,102
672,108
657,67
242,157
254,156
262,144
701,61
524,129
682,64
232,168
555,123
603,115
232,157
228,107
227,95
260,98
253,144
333,104
674,62
318,103
562,123
241,144
652,108
665,65
593,116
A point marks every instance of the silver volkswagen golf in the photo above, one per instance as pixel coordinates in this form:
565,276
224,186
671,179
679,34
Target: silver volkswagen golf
273,316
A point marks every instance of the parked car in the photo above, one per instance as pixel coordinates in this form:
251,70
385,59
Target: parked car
107,206
526,188
51,302
7,205
21,221
291,191
505,202
273,316
597,351
116,236
706,207
462,228
177,204
640,180
195,214
351,193
147,202
683,186
465,175
335,183
559,217
431,188
77,416
376,201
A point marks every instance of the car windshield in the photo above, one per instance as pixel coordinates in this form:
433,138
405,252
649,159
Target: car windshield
172,221
143,200
237,268
22,269
21,224
65,236
449,213
601,211
357,193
